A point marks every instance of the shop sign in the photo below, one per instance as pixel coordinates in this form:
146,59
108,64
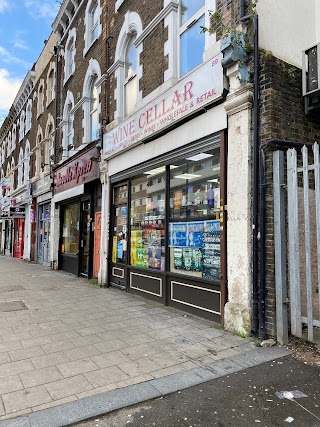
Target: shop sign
81,170
5,183
4,212
5,201
17,212
41,186
185,98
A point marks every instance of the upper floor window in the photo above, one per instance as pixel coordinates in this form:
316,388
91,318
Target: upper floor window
70,55
92,23
192,40
130,74
29,115
26,162
40,100
94,115
67,126
22,125
51,86
126,67
92,105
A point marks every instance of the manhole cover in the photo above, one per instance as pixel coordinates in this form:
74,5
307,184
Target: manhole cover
12,288
12,306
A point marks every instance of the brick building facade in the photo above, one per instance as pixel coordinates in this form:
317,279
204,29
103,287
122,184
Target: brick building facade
143,162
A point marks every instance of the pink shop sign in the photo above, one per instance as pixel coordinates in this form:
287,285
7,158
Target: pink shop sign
192,93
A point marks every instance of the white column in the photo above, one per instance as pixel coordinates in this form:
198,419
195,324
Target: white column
54,235
239,258
27,234
105,219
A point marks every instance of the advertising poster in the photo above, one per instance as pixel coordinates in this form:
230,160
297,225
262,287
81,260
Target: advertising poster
120,250
178,258
211,256
154,254
114,249
178,234
194,233
142,257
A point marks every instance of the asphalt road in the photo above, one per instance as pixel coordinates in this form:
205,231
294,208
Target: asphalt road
244,399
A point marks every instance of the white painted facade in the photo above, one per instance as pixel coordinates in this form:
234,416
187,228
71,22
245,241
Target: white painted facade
288,27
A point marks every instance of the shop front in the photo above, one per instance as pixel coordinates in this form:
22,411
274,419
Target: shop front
167,232
77,194
41,215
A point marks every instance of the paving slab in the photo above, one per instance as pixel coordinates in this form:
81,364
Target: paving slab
79,351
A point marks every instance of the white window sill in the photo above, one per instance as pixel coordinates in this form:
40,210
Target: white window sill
67,78
87,48
118,4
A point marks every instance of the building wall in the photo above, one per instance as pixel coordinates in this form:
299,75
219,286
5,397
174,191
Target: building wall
288,27
282,117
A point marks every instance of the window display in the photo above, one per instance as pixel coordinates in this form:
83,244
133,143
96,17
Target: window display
193,239
70,230
194,227
148,220
119,240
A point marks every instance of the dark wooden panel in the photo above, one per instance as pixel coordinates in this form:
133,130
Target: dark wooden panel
70,264
146,284
203,299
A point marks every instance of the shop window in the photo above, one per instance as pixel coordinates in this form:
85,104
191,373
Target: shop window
194,225
192,39
70,229
147,248
120,237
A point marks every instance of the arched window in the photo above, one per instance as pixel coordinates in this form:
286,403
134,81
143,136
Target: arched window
51,86
29,115
126,67
130,74
40,100
22,126
20,168
92,105
92,24
94,115
26,162
67,126
69,56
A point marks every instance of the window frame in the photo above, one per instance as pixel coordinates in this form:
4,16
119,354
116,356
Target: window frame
183,28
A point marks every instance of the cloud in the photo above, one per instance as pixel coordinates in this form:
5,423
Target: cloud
42,9
8,58
4,5
19,41
9,87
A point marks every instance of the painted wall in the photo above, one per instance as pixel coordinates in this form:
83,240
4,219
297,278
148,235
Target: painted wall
288,27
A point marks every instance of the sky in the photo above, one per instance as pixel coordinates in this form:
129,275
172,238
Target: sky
24,25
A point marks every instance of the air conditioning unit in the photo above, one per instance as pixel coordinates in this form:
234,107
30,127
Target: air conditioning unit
311,79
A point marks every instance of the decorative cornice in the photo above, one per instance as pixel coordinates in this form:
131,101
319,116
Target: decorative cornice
240,100
172,6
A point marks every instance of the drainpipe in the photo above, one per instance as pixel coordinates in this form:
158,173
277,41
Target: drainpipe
255,201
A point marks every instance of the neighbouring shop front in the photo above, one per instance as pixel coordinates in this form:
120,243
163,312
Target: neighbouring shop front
167,236
77,191
41,219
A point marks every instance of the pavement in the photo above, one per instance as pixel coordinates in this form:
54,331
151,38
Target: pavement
251,397
70,351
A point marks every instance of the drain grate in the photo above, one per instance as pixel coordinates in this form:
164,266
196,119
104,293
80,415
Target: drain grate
12,306
12,288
